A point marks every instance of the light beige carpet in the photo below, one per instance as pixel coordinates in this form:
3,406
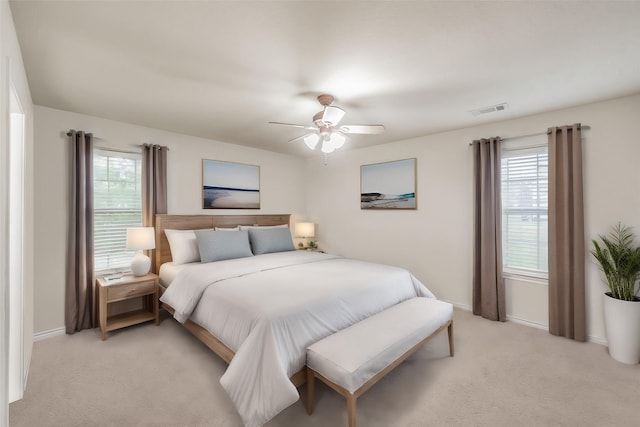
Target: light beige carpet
503,374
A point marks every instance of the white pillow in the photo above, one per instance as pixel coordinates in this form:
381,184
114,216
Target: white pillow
227,228
247,227
183,245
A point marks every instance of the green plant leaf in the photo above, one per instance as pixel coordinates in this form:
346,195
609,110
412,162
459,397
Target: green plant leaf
619,260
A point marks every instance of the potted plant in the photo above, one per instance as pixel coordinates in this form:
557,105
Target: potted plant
619,259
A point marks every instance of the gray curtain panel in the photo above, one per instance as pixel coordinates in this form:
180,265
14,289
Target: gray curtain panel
80,306
154,186
567,316
488,283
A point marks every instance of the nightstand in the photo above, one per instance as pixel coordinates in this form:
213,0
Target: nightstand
316,249
127,288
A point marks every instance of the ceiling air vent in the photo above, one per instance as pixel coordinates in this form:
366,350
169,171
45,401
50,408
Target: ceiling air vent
490,109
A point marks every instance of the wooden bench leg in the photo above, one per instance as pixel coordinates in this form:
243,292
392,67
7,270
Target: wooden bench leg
450,331
311,383
351,410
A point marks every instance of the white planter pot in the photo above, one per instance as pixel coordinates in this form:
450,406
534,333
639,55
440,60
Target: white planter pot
622,323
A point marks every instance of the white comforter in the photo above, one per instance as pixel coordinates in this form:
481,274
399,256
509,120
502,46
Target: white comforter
270,308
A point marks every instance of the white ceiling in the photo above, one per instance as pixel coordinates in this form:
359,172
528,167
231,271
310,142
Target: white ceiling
223,69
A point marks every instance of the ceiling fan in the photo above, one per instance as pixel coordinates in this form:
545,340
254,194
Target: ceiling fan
326,128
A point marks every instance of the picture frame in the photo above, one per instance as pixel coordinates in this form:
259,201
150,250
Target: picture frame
389,185
229,185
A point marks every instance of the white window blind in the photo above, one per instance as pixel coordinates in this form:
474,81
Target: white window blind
525,190
117,191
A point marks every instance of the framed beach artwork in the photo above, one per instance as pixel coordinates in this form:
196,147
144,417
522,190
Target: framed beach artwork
388,185
227,185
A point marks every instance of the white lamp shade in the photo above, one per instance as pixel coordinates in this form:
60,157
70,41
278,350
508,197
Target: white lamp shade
141,238
337,140
311,140
305,229
327,147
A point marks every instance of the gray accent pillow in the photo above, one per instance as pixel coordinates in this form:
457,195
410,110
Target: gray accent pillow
221,245
267,240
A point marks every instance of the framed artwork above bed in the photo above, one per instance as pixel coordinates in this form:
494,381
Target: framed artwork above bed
388,185
228,185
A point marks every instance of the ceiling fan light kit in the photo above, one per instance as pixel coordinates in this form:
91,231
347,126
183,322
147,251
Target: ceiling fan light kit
311,140
331,142
325,127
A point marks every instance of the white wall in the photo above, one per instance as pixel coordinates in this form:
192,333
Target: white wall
435,240
12,72
281,188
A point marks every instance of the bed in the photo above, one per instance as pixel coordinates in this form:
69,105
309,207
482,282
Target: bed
260,313
162,255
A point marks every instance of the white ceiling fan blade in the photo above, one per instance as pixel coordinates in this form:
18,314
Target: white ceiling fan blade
364,129
293,125
297,138
332,115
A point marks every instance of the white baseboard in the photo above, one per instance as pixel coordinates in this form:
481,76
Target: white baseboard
597,340
39,336
590,338
458,305
526,322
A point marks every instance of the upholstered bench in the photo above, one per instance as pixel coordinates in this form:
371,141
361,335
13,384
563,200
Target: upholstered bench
354,359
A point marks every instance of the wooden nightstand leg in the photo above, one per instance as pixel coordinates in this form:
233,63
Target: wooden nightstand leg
450,332
103,313
156,309
155,301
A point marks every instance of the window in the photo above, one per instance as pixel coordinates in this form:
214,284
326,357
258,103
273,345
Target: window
525,189
117,191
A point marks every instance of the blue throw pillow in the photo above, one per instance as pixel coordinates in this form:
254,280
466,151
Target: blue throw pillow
268,240
221,245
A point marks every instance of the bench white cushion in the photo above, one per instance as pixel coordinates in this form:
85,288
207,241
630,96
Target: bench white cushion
354,355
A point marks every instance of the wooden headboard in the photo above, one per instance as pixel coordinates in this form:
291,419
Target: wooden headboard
196,222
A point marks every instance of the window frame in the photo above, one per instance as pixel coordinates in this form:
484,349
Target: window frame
512,149
121,267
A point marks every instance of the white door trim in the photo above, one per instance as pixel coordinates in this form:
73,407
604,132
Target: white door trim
4,276
16,373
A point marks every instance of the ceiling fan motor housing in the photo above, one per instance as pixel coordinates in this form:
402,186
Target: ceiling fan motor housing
325,99
317,119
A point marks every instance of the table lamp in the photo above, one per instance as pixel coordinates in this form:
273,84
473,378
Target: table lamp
140,239
305,230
